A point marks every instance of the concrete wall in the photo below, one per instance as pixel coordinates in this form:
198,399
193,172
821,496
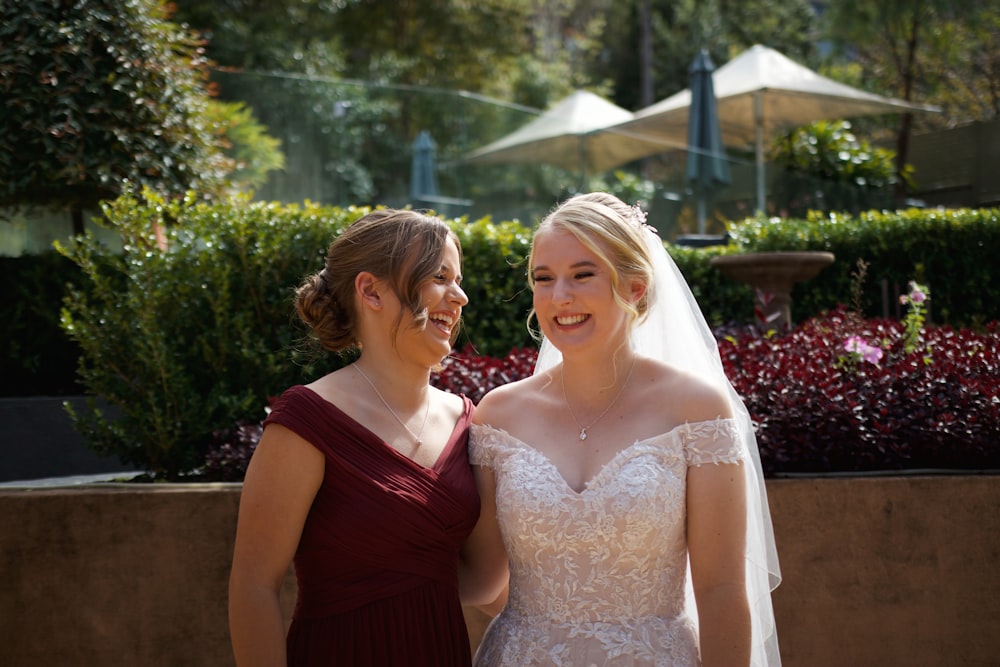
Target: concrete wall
877,571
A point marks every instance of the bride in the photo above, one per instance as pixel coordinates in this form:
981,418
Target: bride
621,490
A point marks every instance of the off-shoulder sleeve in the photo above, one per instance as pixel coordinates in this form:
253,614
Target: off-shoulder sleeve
482,445
715,441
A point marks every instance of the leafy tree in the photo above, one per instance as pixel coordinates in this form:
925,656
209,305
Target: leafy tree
917,50
255,153
99,93
681,28
969,66
263,35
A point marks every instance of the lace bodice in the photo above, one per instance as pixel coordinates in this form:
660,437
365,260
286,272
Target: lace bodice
597,577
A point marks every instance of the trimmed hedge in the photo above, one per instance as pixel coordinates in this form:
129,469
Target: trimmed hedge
952,251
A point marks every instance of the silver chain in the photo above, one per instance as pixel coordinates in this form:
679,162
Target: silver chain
427,410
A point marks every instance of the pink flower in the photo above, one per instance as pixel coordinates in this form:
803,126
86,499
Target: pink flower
859,346
917,295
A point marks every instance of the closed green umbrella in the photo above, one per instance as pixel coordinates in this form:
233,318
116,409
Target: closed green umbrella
707,166
423,170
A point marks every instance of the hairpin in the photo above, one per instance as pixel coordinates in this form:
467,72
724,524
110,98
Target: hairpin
638,217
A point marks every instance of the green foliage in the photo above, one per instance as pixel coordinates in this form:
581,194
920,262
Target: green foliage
291,36
941,52
826,167
494,273
253,151
951,251
99,93
197,336
191,329
830,151
722,301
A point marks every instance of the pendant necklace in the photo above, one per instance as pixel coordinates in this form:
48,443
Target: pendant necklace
583,429
427,410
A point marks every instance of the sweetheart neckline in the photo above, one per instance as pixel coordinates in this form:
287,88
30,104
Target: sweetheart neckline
588,486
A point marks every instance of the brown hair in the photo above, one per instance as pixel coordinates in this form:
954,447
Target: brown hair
399,246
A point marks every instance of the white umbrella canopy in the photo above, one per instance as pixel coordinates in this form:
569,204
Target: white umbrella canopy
761,92
574,135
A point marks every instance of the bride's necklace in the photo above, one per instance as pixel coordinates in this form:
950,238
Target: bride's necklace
427,410
583,429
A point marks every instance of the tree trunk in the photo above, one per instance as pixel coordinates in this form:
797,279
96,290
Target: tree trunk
76,215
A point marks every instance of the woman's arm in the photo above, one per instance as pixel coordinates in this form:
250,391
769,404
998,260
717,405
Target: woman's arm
483,568
281,482
716,501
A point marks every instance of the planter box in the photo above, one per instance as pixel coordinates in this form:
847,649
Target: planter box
877,571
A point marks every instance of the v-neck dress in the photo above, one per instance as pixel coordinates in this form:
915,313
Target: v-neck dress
597,576
377,562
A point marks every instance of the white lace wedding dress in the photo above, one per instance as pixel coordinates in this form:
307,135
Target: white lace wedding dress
597,577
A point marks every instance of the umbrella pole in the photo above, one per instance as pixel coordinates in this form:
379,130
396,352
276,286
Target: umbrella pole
758,113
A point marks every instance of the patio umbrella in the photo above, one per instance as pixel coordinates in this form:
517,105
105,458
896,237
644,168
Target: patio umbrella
573,135
707,166
423,176
760,92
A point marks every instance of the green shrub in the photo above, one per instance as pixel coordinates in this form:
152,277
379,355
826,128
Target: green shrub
197,337
187,340
824,166
494,274
100,93
722,301
952,251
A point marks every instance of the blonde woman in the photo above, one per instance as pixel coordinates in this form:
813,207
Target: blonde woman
620,484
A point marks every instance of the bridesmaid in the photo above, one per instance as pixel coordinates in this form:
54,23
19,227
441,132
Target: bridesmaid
361,478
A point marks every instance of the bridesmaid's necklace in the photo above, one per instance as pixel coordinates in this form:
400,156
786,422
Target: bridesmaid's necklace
427,410
583,429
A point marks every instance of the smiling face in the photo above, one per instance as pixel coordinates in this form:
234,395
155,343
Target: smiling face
442,296
574,293
423,329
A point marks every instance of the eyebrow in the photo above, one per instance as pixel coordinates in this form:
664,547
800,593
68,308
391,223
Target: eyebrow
585,264
446,269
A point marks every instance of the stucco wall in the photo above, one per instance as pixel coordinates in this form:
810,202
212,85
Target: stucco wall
877,571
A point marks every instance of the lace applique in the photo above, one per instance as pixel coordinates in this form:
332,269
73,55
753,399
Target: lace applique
715,441
597,577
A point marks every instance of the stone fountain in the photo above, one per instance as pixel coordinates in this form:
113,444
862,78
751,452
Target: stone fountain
772,275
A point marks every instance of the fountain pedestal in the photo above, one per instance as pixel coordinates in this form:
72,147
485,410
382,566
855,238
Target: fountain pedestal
772,275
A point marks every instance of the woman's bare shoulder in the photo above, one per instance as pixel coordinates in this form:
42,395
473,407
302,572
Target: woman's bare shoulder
504,402
695,398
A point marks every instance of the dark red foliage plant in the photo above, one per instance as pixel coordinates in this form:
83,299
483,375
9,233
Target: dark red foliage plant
837,394
818,407
468,373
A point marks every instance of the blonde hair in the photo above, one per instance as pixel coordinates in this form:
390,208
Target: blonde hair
399,246
613,231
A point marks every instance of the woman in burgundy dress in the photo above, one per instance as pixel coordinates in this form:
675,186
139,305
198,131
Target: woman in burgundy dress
362,478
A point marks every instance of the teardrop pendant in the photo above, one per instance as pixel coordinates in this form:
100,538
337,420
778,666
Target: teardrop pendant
583,434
